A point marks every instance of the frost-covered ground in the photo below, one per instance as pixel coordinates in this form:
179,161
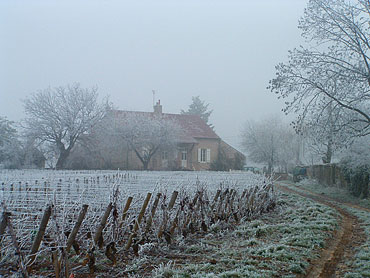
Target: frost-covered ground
33,189
278,244
133,182
360,262
27,194
338,193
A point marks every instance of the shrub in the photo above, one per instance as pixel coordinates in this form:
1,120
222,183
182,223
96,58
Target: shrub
356,167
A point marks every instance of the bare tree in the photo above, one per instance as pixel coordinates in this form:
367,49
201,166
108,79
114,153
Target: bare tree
100,150
270,141
61,116
145,133
321,134
333,71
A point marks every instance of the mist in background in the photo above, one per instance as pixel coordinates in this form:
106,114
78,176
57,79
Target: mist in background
223,51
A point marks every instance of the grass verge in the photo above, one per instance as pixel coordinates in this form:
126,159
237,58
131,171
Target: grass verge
278,244
359,264
339,194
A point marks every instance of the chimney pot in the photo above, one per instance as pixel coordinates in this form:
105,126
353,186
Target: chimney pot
158,108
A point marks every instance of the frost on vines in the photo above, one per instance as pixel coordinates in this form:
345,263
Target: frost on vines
328,82
205,203
145,133
60,116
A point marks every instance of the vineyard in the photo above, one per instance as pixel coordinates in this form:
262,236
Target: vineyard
50,218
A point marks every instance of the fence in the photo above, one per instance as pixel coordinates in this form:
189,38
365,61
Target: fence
328,174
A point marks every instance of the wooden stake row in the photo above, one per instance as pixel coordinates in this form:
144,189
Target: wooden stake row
191,215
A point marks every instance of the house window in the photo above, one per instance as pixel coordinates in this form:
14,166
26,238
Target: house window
204,155
164,155
184,155
184,158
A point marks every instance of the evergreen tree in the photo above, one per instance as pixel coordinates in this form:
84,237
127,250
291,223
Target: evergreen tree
200,108
10,147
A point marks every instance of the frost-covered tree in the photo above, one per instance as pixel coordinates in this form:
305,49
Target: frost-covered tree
333,70
100,150
145,133
7,131
61,116
200,108
10,146
320,134
271,142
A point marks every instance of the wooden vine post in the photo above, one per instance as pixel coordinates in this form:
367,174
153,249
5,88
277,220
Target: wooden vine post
39,236
124,213
3,224
192,206
22,265
215,198
154,208
66,263
175,222
98,238
173,200
56,263
138,221
73,234
170,206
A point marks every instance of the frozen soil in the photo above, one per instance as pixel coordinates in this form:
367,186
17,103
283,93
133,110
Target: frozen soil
344,255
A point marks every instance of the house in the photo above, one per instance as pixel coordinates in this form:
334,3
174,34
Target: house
197,146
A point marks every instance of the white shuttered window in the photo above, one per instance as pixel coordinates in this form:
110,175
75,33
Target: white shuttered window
208,158
204,155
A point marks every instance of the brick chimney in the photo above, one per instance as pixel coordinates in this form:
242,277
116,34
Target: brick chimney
158,108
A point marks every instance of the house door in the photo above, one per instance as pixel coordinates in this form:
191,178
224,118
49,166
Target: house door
184,159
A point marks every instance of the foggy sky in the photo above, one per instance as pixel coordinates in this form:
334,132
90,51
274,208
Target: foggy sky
223,51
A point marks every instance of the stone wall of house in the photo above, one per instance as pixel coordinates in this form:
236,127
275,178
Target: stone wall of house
122,157
328,174
212,145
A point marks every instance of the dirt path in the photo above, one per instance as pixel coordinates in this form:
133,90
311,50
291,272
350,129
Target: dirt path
341,246
324,196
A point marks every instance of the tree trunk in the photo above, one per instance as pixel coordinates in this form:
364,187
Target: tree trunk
365,186
328,154
145,164
62,159
146,160
269,169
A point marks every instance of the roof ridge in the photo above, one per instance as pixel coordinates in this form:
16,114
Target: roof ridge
193,125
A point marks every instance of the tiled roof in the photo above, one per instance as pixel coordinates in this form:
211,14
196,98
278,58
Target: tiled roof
193,126
230,150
